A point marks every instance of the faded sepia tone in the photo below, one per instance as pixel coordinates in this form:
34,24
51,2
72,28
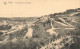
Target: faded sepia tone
35,7
39,24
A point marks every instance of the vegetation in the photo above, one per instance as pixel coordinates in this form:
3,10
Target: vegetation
40,36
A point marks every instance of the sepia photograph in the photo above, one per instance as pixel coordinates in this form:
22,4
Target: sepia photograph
39,24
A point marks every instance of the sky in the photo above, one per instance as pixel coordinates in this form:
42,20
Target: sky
35,8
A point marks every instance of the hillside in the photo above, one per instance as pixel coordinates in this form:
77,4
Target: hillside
41,32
